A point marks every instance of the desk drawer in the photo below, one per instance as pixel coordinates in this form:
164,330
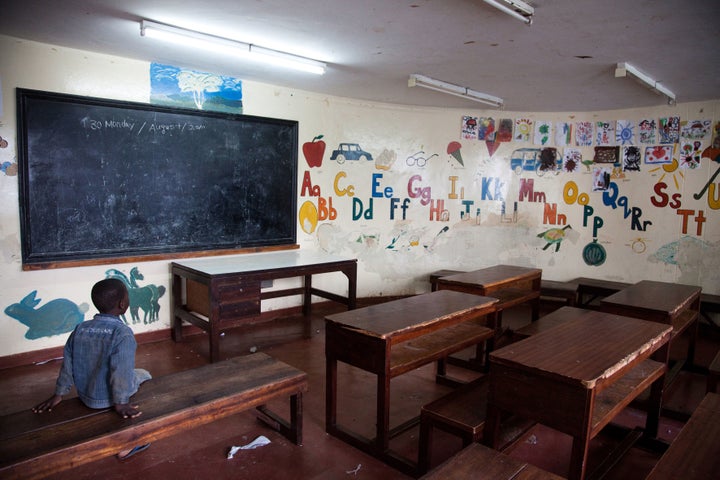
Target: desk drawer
233,298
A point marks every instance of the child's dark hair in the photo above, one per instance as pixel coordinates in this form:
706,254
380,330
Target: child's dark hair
106,294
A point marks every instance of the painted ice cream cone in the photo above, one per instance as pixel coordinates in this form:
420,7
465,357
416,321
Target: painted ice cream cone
453,149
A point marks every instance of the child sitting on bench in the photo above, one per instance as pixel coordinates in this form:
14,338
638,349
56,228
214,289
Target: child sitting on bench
99,359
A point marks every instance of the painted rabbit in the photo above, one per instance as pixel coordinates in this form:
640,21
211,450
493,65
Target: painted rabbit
55,317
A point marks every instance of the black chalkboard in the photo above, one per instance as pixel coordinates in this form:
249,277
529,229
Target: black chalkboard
106,179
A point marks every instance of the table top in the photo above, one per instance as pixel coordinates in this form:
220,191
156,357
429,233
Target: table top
260,261
493,276
660,297
403,316
585,350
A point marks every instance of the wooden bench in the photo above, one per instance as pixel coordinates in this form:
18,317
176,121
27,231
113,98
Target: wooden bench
695,452
462,413
36,445
440,273
482,463
713,377
596,288
568,291
709,304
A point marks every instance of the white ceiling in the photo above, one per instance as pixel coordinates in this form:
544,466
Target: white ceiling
564,61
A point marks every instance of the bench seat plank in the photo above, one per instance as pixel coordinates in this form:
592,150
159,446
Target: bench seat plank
695,452
34,445
482,463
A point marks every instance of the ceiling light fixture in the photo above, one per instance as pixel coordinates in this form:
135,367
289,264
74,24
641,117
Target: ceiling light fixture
515,8
416,80
624,69
205,41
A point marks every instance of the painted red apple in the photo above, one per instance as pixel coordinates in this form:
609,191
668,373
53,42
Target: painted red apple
314,151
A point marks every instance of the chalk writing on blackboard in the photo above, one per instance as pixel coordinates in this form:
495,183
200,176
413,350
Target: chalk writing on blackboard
104,179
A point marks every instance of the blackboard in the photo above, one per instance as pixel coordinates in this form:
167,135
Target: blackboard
103,179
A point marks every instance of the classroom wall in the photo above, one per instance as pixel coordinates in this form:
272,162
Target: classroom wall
401,217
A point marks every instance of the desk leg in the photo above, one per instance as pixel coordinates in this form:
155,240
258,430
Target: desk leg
654,405
307,295
383,413
214,344
177,291
578,459
535,312
693,331
491,430
351,274
536,286
330,394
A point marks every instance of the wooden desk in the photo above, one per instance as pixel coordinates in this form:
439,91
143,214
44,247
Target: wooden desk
510,284
226,290
670,303
577,376
393,338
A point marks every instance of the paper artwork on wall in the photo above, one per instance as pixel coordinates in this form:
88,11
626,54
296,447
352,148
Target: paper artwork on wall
631,158
505,130
543,132
624,132
180,87
606,155
658,154
695,129
690,154
563,134
469,128
605,133
647,128
572,159
523,129
601,179
583,134
669,129
486,129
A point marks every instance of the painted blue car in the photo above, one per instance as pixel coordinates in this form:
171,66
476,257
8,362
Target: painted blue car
349,151
531,160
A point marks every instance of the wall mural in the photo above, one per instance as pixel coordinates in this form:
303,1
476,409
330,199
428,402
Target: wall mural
666,147
61,315
8,168
145,298
56,317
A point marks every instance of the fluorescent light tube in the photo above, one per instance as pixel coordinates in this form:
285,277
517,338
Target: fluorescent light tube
515,8
205,41
624,69
417,80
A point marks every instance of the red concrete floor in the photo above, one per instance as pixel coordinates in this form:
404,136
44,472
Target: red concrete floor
201,453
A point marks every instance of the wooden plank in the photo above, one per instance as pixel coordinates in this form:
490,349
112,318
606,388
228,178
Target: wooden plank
695,452
482,463
169,404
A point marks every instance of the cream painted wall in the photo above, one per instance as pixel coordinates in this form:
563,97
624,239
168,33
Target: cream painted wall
395,255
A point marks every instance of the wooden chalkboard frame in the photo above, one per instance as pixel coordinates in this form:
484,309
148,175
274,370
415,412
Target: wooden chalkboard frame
40,252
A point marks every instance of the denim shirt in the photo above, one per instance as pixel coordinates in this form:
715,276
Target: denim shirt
99,359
